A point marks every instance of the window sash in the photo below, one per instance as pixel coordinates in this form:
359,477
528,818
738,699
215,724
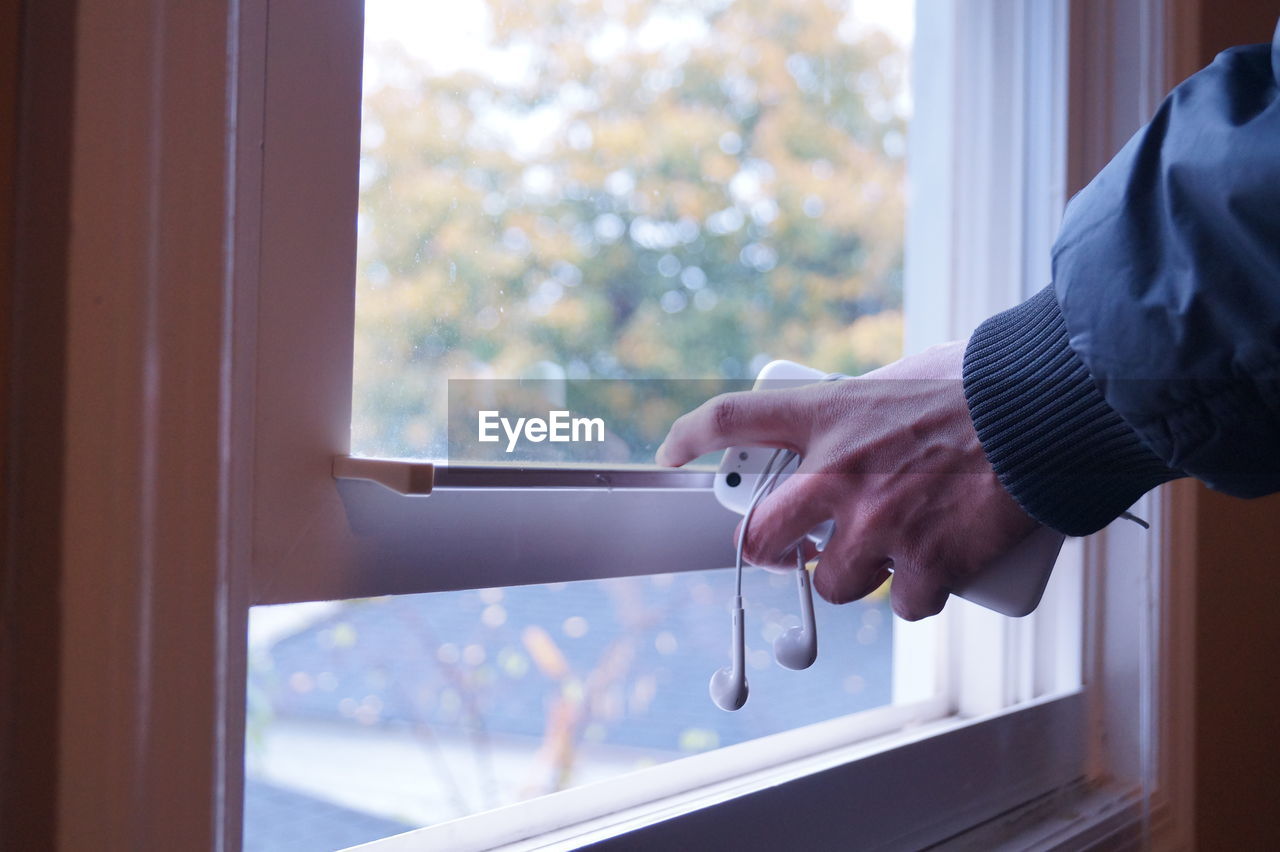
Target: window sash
469,538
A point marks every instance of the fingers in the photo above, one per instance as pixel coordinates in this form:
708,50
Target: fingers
784,519
859,559
853,566
750,418
849,571
842,582
917,593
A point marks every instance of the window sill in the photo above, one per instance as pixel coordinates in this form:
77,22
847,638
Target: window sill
869,787
1080,816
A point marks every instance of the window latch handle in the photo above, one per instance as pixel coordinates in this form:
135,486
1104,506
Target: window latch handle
403,477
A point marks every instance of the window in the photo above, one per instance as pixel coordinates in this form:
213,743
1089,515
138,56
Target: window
539,232
627,209
513,213
267,525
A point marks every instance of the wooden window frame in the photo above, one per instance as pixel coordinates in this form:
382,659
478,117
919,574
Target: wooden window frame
181,439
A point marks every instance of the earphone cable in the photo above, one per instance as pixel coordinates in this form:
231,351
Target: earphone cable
769,477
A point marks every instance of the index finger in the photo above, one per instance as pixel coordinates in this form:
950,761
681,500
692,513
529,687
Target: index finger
758,418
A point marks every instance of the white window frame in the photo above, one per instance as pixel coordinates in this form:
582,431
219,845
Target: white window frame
210,283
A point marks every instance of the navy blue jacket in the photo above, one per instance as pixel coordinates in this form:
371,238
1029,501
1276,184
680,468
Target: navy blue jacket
1155,353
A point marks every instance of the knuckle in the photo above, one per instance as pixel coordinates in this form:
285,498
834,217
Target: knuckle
945,565
724,413
875,518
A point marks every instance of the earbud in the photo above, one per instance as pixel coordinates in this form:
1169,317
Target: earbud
729,685
797,648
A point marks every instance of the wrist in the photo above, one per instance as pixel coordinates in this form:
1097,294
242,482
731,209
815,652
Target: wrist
1060,450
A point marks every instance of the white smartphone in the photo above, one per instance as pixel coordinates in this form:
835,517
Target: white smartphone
1012,585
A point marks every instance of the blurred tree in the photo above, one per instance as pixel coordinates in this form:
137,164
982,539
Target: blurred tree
639,189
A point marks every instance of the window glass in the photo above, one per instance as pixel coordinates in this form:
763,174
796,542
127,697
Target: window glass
573,190
371,717
626,206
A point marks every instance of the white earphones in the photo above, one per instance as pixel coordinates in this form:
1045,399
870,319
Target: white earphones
797,648
729,685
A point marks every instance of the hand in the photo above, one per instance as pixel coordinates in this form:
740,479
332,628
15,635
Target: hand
891,457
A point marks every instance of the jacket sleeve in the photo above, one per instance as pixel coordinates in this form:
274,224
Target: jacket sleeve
1155,353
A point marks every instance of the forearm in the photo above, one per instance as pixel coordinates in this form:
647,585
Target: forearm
1167,274
1156,351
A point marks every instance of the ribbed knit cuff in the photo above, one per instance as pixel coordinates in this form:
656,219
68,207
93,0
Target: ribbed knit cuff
1059,449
